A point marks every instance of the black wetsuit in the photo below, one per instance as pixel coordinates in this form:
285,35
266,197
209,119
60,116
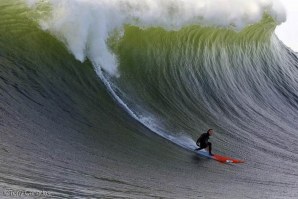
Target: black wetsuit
202,142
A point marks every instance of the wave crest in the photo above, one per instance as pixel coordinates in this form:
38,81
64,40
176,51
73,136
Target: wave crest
85,25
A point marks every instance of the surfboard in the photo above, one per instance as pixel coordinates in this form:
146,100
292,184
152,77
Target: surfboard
219,158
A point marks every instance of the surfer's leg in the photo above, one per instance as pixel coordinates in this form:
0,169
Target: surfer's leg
210,148
201,146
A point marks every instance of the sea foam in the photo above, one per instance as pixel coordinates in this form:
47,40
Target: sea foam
85,25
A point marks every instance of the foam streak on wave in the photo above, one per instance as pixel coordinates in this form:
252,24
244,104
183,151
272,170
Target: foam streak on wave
149,122
85,25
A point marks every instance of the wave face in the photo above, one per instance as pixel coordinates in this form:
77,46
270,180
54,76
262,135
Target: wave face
86,87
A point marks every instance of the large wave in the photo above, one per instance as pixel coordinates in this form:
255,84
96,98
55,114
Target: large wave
178,66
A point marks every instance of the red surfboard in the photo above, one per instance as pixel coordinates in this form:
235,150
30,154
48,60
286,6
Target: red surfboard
224,159
218,158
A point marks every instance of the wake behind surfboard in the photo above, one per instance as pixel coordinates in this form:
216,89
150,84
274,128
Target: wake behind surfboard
218,158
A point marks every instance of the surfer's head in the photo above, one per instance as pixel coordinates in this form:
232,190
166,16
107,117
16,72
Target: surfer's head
210,132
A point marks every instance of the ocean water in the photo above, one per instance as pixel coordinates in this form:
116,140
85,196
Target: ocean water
105,99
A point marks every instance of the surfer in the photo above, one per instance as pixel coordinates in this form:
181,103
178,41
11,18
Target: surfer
203,143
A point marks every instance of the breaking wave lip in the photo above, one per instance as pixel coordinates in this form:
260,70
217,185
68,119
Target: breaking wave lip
85,25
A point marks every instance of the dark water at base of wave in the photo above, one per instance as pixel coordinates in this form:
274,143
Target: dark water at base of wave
62,132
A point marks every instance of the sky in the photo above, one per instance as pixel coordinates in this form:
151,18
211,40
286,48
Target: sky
288,31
